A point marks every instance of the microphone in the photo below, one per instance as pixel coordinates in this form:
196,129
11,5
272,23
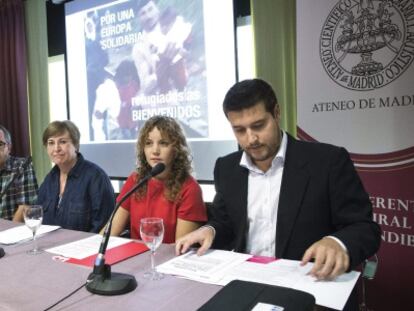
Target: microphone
101,281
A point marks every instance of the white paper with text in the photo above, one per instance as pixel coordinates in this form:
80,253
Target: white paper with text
222,267
23,233
85,247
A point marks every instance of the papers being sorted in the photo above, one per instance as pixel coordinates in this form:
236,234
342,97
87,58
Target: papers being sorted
281,272
23,233
289,273
208,268
221,267
85,247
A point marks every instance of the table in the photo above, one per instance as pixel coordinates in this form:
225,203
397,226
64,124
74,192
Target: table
34,283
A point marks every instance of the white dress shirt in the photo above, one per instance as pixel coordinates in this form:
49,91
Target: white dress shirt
262,202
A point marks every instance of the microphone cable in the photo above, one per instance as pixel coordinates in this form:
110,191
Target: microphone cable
66,297
100,259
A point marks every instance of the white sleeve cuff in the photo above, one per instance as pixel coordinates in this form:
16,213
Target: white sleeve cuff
212,229
338,241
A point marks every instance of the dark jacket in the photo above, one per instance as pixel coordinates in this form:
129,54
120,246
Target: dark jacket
87,202
321,194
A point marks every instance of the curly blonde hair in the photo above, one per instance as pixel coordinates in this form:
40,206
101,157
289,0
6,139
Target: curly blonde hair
181,165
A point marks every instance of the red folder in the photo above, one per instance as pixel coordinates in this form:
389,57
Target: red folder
261,259
113,255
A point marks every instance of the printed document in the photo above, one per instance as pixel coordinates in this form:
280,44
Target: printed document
221,267
208,268
86,247
23,233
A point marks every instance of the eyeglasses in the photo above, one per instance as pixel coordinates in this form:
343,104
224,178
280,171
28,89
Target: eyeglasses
2,144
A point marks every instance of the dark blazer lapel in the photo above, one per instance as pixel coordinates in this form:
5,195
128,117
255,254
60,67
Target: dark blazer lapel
239,189
294,183
241,202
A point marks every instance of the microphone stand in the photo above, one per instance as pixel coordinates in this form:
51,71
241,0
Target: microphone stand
102,281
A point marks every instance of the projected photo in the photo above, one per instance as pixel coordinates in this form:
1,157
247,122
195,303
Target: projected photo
145,58
128,60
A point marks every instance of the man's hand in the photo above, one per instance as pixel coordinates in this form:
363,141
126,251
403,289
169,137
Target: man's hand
330,259
204,236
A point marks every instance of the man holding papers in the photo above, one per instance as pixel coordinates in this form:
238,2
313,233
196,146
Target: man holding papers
285,198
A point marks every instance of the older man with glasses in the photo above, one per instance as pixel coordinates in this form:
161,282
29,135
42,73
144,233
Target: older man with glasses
18,184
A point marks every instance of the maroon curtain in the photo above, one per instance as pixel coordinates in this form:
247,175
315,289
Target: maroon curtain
13,75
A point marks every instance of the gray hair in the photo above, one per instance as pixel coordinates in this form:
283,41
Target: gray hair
6,133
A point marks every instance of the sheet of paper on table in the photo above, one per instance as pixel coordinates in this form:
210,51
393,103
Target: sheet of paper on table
221,267
208,268
23,233
86,247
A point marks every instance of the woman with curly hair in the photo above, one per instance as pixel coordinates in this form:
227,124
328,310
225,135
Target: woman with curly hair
173,195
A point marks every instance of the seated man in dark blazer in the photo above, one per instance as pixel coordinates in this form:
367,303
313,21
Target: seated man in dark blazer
285,198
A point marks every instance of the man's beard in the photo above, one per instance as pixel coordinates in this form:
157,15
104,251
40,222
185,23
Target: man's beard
264,152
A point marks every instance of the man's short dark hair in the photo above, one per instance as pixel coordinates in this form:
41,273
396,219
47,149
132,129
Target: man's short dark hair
247,93
6,133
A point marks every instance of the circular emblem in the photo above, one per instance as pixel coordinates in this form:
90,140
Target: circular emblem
367,44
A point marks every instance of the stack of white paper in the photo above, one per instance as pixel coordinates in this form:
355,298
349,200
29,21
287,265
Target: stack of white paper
221,267
23,233
208,268
86,247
